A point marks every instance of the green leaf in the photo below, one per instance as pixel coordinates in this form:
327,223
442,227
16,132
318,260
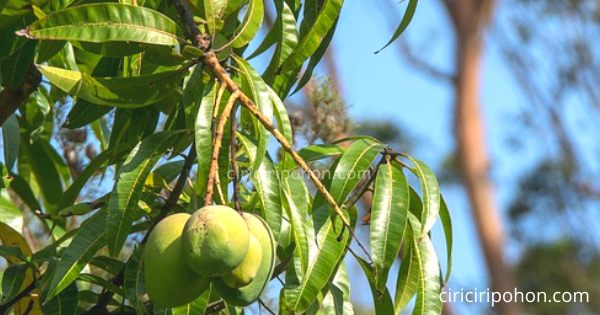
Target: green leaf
309,43
49,49
259,93
14,68
203,134
322,265
352,167
106,22
13,279
134,281
44,169
297,218
11,138
281,115
192,95
316,58
196,307
250,25
313,153
337,299
447,225
428,292
286,38
130,183
431,194
64,303
20,186
406,19
90,238
71,194
212,11
408,278
126,92
12,253
388,220
103,283
111,265
266,183
83,113
383,303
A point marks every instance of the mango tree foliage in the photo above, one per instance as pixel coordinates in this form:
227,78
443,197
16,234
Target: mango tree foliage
181,118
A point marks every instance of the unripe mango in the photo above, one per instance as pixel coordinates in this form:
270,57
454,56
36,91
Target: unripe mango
170,282
246,295
243,274
215,240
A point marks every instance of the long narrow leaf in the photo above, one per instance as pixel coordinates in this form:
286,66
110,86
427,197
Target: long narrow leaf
134,281
128,188
428,289
259,93
408,278
447,225
203,133
388,220
325,258
106,22
383,303
127,92
250,25
406,19
266,183
311,40
90,238
430,190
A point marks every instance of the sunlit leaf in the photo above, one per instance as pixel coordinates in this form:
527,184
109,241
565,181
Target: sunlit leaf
388,220
430,191
309,43
106,22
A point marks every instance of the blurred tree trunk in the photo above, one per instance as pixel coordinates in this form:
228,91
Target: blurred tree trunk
470,19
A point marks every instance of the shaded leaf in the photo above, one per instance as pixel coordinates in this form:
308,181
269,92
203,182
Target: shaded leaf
64,303
11,139
266,183
134,281
127,92
14,68
90,238
83,113
130,183
383,304
13,279
71,194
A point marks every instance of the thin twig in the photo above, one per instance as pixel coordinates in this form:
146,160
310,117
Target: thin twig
262,303
214,165
234,166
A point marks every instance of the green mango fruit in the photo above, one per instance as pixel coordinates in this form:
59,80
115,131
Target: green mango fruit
170,282
215,240
243,274
246,295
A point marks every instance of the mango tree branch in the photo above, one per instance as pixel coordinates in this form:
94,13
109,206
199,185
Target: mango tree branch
211,60
218,141
12,97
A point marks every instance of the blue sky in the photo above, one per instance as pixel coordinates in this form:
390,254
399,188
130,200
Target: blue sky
385,86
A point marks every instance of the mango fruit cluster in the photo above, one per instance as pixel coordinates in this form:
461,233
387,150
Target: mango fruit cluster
186,253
